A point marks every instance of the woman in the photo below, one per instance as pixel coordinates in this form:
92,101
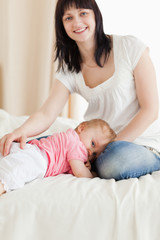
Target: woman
117,78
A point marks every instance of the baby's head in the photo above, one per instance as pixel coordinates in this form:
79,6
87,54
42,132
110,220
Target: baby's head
95,135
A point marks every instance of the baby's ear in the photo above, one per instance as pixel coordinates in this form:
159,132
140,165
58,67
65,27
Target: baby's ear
81,127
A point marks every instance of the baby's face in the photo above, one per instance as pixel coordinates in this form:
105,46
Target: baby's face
94,141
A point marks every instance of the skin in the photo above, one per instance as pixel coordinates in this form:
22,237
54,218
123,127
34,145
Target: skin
145,82
79,25
93,139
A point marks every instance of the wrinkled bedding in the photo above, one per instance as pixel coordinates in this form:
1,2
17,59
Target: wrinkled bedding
68,208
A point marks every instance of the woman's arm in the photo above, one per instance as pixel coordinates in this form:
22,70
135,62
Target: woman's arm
147,94
39,121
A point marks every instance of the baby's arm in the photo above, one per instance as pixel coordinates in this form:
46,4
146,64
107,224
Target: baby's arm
79,169
88,165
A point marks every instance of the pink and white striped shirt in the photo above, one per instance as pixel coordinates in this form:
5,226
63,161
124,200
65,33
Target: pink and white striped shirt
60,148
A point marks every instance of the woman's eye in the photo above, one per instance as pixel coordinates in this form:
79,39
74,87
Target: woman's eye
68,18
93,144
83,13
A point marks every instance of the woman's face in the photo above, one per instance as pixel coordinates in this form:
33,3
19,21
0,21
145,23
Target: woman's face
79,24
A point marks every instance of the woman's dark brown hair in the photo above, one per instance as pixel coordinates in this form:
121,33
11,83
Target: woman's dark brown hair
67,51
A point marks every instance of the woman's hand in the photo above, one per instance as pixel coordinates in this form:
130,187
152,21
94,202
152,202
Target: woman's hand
6,141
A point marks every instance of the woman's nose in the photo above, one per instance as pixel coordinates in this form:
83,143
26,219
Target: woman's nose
76,21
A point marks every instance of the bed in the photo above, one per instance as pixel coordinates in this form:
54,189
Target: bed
68,208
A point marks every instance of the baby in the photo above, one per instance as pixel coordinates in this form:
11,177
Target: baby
65,152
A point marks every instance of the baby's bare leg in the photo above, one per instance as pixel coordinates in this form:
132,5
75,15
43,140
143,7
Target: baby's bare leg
1,189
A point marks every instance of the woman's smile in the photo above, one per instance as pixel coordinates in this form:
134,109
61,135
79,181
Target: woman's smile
80,30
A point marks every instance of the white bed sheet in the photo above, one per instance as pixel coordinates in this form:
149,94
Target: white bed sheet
69,208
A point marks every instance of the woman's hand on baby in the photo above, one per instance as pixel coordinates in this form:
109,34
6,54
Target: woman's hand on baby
6,141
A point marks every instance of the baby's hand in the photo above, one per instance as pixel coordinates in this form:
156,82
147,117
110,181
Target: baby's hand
88,165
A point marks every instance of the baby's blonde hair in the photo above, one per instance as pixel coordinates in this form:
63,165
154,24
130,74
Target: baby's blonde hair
109,133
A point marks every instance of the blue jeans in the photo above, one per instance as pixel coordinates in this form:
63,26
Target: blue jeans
122,160
39,138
